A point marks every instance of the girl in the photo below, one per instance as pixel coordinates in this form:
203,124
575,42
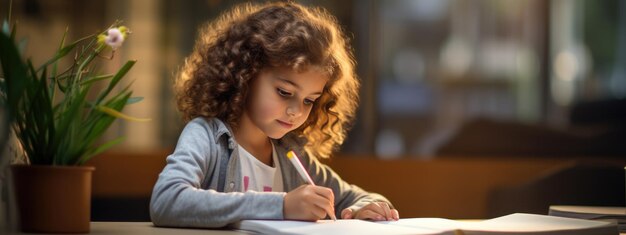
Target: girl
261,81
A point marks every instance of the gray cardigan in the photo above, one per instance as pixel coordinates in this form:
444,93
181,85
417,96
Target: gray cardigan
201,184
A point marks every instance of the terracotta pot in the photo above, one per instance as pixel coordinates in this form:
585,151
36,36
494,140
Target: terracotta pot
53,199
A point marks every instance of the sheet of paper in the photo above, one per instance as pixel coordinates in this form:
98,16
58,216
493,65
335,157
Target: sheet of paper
329,227
518,223
521,222
590,212
511,224
434,224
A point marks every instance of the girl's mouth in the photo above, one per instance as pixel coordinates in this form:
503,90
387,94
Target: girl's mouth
285,124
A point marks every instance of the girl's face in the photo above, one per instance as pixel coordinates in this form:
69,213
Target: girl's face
281,99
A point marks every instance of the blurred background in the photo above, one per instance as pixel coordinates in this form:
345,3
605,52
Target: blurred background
531,83
433,71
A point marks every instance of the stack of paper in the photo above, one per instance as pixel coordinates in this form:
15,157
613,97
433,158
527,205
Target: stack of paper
518,224
616,214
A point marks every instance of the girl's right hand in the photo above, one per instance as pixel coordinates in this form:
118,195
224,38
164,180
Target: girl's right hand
309,202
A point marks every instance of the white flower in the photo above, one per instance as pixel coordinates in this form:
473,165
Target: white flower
114,38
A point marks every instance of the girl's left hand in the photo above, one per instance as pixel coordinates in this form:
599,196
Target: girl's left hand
373,211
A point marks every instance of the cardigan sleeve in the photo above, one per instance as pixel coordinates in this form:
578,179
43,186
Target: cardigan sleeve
179,200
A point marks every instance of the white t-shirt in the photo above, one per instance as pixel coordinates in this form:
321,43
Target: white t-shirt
257,176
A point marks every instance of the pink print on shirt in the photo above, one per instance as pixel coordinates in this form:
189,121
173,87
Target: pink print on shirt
246,182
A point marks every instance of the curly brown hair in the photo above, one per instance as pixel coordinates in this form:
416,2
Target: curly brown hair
232,50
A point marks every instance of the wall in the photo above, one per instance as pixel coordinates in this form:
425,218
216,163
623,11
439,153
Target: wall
452,187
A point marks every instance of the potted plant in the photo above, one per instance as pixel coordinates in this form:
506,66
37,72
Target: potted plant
58,119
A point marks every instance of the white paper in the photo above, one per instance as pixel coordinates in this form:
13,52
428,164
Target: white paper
328,227
518,223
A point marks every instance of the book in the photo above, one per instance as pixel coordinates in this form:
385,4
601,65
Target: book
517,224
605,213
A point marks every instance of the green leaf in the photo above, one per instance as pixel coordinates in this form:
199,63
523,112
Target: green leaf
21,46
56,65
13,31
39,103
118,76
103,121
47,117
133,100
15,72
100,149
5,28
70,115
63,52
39,125
96,78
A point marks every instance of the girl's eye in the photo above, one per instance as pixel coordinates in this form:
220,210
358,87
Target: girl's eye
309,102
283,93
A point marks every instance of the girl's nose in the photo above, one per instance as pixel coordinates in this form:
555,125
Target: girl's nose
294,110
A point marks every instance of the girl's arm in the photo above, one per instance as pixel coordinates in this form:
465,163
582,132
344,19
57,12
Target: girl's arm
179,198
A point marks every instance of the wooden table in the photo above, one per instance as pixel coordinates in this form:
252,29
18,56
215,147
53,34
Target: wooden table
141,228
